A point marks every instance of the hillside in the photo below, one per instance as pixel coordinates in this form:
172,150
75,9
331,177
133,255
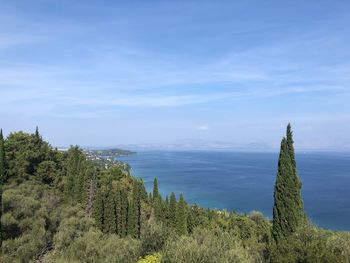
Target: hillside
64,206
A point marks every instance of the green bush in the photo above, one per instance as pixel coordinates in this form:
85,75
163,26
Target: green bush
94,246
206,246
154,236
29,220
310,244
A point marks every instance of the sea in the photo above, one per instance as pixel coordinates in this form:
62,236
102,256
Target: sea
244,181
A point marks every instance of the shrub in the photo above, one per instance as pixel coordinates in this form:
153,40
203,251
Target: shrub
154,258
310,244
206,246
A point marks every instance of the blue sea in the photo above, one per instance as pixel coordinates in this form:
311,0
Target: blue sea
245,181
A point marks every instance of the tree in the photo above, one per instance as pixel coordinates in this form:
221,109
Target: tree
165,209
75,174
181,218
132,219
137,201
98,209
37,135
172,210
143,191
155,189
2,175
110,219
158,207
23,155
288,210
122,213
47,172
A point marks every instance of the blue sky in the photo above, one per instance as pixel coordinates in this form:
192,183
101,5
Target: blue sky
110,73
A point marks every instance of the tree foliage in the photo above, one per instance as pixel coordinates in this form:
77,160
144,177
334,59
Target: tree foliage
288,210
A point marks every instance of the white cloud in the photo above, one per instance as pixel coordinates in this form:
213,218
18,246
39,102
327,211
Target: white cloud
202,128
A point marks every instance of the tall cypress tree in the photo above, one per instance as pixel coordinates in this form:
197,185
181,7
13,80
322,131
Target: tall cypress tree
172,210
123,213
181,218
74,165
38,137
137,201
158,207
2,175
98,209
288,210
155,188
110,220
118,211
166,209
132,219
143,192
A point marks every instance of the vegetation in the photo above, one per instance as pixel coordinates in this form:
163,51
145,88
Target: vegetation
61,206
288,209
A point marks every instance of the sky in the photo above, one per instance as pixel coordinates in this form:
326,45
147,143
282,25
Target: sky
103,73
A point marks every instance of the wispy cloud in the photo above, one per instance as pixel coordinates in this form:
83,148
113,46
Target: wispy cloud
202,128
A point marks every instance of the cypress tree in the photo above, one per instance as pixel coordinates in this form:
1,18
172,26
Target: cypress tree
288,210
155,189
181,218
137,201
158,207
118,211
74,160
110,224
166,209
2,175
123,213
98,209
172,210
143,192
132,219
134,212
38,137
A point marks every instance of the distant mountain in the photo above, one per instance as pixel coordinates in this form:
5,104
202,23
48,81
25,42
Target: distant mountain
197,144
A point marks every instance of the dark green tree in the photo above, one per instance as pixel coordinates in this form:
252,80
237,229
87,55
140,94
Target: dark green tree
158,207
37,135
165,207
137,195
121,211
155,188
2,175
288,210
132,219
110,217
47,172
75,178
172,210
134,211
181,217
143,192
23,155
122,214
98,209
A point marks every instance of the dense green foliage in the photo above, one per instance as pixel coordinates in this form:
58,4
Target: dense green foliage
2,175
288,209
60,206
181,218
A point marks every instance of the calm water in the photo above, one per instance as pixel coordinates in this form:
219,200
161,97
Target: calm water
245,181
